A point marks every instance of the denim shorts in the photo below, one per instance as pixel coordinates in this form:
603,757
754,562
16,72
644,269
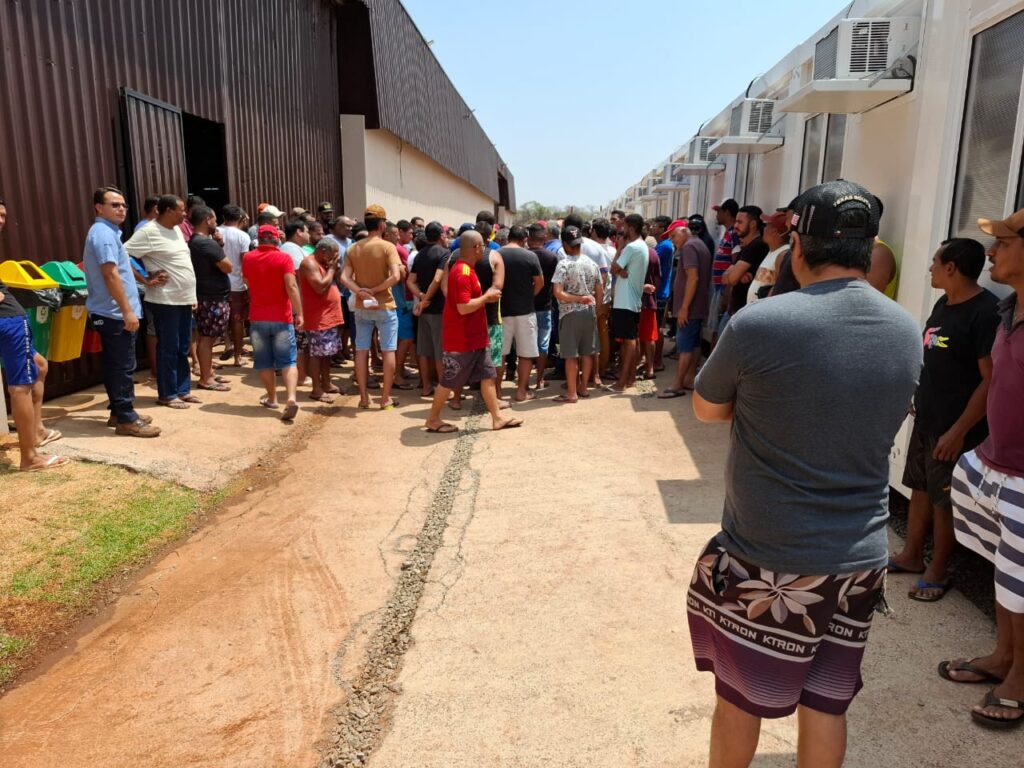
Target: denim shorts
688,336
386,323
273,345
543,330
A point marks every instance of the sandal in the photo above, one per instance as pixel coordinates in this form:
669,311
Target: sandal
176,404
325,398
51,436
215,387
191,399
999,723
946,667
290,412
389,406
265,402
940,587
404,386
565,399
668,394
510,424
51,463
444,429
894,567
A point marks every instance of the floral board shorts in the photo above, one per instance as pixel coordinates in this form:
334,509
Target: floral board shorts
776,640
212,317
324,343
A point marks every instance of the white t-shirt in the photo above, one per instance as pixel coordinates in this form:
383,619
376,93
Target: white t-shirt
765,273
236,244
602,255
163,249
295,251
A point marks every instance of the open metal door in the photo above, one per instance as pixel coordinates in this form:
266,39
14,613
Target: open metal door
154,149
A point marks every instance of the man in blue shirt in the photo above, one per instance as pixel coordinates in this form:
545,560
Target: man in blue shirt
114,310
666,253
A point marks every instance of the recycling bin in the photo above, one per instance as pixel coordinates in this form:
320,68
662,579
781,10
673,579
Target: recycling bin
38,294
69,321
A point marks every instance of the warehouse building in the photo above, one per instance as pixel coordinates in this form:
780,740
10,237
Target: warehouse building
291,102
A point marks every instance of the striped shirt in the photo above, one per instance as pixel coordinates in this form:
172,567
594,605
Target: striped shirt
723,256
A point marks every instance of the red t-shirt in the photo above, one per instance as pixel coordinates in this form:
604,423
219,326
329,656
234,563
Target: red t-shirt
264,270
463,333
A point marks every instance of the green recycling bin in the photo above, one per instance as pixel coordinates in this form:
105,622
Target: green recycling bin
38,295
68,328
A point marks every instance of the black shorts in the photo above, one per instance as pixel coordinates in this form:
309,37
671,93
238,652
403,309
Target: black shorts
923,472
624,325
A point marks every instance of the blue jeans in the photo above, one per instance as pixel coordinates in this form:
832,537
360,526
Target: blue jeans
386,323
544,331
118,367
173,324
273,345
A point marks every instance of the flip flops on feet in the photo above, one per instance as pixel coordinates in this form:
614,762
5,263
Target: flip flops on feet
51,436
929,591
52,462
176,404
565,399
290,411
894,567
968,666
668,394
265,402
217,386
510,424
993,701
443,429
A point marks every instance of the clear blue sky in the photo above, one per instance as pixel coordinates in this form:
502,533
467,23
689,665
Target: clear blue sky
533,69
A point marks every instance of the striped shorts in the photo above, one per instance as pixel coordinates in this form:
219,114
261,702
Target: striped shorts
776,640
988,514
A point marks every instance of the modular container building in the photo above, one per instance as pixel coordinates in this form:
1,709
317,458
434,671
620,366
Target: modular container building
234,100
918,100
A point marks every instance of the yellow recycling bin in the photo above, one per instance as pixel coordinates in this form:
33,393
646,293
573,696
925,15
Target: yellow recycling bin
68,329
37,294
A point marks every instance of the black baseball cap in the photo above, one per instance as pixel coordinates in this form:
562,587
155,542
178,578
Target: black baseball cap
698,220
433,231
729,205
837,210
325,207
572,236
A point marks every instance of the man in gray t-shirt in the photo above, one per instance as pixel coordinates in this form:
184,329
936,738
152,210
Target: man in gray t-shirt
816,384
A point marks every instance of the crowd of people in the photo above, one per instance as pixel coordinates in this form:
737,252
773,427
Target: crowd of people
803,350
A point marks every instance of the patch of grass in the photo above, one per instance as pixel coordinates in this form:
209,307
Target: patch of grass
110,539
10,647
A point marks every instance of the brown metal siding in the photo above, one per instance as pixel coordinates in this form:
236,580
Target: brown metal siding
265,68
418,103
62,63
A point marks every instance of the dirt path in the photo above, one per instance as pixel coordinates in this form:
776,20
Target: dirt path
551,630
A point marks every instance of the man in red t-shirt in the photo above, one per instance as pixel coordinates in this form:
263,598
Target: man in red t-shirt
465,343
275,311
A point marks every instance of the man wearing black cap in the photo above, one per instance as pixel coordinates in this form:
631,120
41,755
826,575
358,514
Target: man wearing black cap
816,384
324,214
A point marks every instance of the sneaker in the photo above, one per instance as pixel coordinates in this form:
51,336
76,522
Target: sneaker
137,429
112,421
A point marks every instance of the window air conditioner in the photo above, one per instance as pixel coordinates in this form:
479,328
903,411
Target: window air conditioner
700,149
858,48
752,117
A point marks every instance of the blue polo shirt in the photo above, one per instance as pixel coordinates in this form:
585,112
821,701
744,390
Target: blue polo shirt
665,251
103,246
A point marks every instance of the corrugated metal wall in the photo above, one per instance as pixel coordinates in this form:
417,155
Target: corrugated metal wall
417,102
264,68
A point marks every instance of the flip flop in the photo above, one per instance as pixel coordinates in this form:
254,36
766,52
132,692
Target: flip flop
669,394
191,399
405,387
220,379
455,406
564,399
389,406
511,424
51,436
51,463
894,567
942,587
999,723
444,429
267,404
290,412
324,398
215,387
967,666
176,404
365,406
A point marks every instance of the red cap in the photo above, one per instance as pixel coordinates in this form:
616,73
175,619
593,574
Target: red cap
268,230
777,220
677,224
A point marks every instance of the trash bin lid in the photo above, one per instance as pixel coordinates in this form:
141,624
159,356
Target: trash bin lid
25,274
66,274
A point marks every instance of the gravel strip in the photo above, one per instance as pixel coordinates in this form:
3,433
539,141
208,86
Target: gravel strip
363,720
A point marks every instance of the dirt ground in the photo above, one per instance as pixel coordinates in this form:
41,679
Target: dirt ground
551,631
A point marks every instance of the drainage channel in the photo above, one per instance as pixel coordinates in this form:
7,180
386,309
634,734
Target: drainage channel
362,720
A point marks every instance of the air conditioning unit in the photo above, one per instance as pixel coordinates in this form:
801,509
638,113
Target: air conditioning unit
752,117
700,149
859,48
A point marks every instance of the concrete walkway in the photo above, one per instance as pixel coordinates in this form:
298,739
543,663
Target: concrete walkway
551,631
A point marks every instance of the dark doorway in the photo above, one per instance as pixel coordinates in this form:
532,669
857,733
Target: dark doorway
206,160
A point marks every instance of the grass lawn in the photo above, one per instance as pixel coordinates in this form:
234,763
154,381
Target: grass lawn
65,533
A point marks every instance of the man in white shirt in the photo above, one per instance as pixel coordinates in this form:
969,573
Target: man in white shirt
236,243
776,237
162,249
296,235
